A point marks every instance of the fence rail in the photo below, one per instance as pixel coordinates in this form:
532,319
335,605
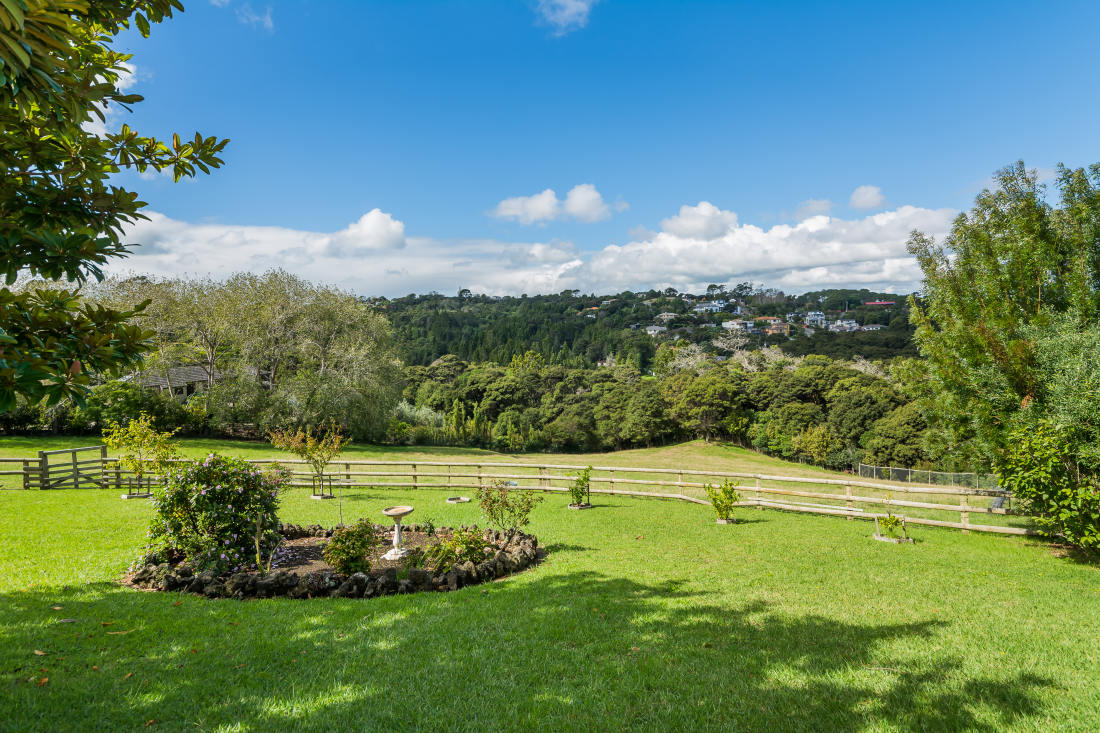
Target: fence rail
936,506
939,478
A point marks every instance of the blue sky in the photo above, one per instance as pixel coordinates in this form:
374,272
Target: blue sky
453,119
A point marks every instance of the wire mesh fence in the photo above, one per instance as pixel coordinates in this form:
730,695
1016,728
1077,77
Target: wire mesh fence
930,478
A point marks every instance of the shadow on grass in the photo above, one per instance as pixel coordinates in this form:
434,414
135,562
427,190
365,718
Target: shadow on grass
563,547
570,651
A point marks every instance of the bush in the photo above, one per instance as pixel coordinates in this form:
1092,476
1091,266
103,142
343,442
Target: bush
891,525
465,544
1040,470
120,402
350,548
507,510
580,491
723,498
220,514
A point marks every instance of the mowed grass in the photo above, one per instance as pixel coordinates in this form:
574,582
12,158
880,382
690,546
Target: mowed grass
689,456
693,454
644,615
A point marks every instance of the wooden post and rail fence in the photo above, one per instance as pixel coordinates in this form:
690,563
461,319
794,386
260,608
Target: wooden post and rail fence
918,505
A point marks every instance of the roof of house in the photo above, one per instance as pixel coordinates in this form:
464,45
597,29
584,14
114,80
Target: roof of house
178,375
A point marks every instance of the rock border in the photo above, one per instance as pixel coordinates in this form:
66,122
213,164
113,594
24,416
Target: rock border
520,554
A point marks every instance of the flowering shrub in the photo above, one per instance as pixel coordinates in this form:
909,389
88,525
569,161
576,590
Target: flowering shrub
350,548
218,514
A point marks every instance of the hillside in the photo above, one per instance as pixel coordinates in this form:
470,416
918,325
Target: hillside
574,329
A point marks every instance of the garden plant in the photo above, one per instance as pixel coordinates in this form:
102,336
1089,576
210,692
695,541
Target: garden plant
350,548
580,491
144,449
507,509
723,498
218,514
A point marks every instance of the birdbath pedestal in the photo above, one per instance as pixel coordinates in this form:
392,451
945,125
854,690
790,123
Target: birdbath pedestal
396,513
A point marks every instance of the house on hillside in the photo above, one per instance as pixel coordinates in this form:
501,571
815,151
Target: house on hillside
778,328
844,325
664,317
713,306
872,327
816,319
735,325
655,330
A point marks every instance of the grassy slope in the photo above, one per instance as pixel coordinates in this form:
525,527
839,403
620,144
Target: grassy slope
645,615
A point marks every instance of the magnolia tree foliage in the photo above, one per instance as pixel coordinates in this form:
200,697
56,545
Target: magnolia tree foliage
61,217
1010,326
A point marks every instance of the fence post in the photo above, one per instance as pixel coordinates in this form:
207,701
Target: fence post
27,463
848,503
965,503
347,473
416,483
43,470
680,482
611,481
544,483
102,466
118,475
480,481
757,494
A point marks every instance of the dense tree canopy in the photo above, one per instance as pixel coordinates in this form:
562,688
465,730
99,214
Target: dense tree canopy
1010,329
61,217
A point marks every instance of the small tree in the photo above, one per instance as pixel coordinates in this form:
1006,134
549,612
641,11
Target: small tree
315,448
507,510
581,490
723,498
144,448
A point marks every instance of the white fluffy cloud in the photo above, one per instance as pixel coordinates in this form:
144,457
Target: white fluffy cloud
700,245
866,197
565,15
371,256
819,250
583,203
702,221
375,230
541,207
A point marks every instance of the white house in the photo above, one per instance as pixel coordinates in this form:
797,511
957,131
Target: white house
816,319
844,325
655,330
873,327
735,325
713,306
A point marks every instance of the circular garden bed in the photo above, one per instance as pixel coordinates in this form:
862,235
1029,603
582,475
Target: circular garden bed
300,569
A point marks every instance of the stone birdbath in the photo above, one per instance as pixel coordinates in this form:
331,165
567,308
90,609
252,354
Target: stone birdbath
396,513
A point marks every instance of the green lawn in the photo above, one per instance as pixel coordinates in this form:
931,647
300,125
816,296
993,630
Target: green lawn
645,615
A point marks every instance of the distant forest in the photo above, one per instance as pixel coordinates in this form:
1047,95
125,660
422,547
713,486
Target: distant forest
577,330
